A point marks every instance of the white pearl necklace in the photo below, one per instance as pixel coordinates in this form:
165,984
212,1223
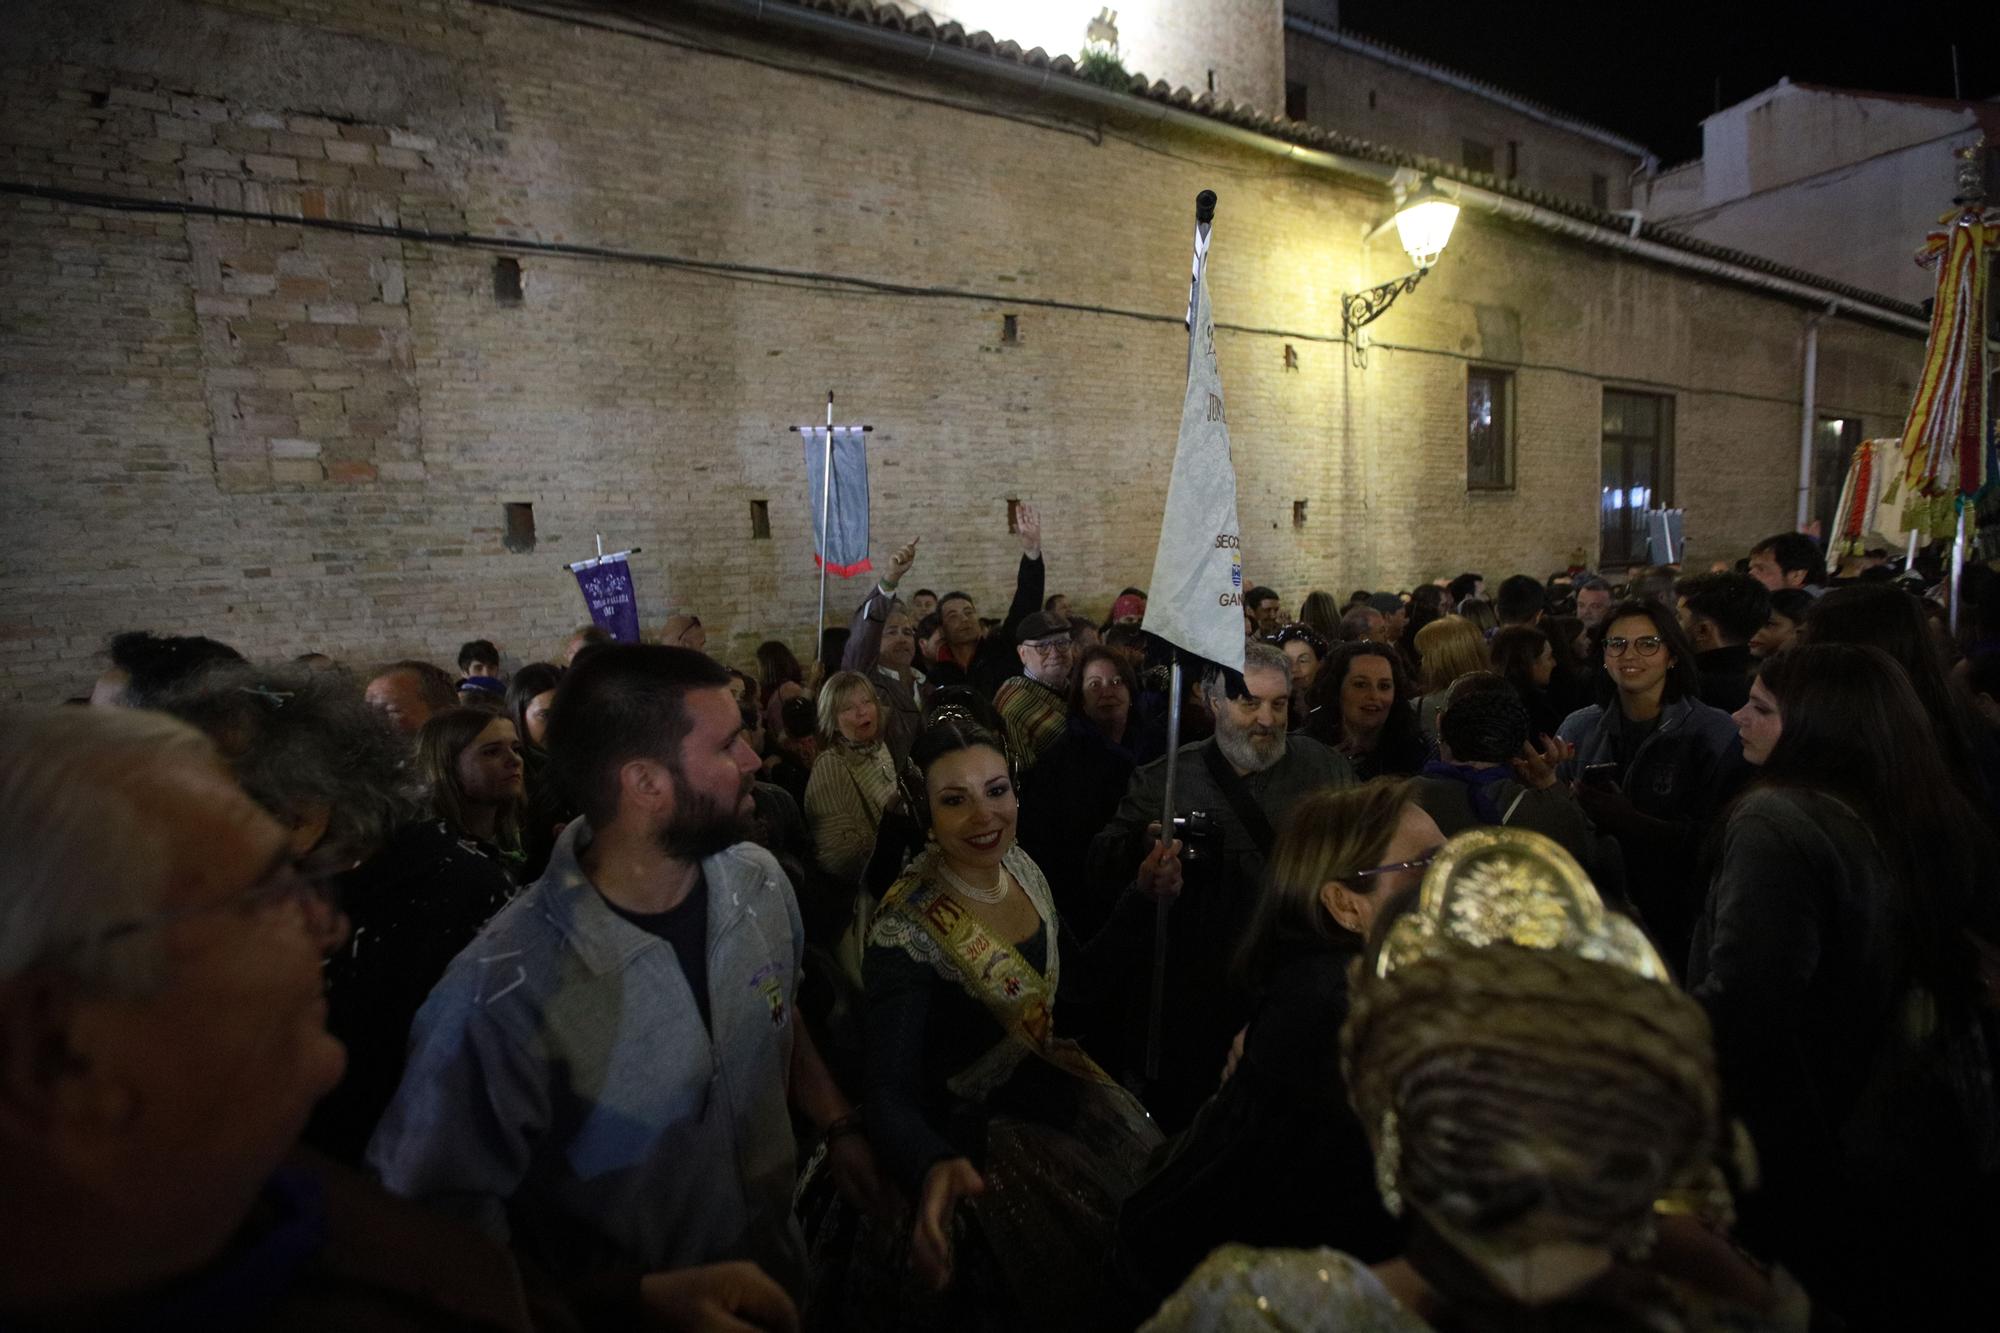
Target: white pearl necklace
991,897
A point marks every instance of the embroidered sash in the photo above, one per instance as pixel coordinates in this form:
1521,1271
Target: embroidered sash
995,974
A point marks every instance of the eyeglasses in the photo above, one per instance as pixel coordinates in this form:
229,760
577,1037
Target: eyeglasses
1649,646
284,883
1420,863
1049,647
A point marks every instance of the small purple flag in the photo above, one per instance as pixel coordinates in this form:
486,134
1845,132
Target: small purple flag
607,589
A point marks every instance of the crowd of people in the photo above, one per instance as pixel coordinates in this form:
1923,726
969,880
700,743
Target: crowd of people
1612,952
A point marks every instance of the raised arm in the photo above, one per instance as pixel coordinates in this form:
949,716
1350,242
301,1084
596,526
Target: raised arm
864,639
1032,578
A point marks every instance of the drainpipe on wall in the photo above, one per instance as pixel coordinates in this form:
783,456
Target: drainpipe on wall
1809,418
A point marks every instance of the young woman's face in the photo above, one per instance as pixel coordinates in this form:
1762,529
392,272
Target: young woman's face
489,769
973,806
1635,655
1106,701
858,717
1305,662
536,715
1776,636
1367,694
1761,724
1544,669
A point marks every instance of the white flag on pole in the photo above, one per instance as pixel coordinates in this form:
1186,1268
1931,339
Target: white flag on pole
1195,599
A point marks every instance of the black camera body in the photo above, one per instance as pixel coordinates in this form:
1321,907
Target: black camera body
1199,835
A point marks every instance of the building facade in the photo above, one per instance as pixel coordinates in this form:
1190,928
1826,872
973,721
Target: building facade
340,327
1839,182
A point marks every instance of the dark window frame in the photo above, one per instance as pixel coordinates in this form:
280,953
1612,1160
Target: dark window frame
1661,489
1505,416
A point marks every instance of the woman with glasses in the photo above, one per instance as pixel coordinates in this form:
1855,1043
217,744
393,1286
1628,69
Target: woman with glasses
1652,765
1276,1157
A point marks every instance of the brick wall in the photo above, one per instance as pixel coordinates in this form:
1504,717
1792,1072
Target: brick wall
301,439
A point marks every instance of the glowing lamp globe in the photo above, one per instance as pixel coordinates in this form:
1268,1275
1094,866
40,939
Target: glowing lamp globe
1423,225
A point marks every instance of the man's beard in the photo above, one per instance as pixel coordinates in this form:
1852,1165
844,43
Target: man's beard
701,827
1247,751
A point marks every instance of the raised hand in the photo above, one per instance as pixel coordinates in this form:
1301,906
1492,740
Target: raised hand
900,562
1028,522
1536,765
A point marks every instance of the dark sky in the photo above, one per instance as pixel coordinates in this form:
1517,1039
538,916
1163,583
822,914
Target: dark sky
1650,71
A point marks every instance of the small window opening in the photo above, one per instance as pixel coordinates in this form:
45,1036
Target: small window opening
1013,516
760,520
1298,513
520,536
507,280
1010,328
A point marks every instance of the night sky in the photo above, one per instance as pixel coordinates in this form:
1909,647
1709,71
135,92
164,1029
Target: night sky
1650,71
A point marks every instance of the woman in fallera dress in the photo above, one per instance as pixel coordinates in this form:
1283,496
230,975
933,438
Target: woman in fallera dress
1013,1147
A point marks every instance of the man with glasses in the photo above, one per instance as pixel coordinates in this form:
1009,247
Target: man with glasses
1035,704
162,1039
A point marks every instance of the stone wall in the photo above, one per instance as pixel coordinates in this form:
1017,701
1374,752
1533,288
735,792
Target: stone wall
295,437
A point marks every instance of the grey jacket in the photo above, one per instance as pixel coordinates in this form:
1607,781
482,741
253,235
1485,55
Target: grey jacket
563,1093
902,700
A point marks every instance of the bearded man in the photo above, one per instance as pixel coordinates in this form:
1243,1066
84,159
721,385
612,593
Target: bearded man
604,1077
1233,790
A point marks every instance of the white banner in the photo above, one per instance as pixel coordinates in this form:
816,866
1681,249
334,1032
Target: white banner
1195,598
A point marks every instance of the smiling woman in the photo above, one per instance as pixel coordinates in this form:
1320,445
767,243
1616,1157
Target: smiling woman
853,782
969,1090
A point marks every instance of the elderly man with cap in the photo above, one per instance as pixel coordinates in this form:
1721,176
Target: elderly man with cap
1035,704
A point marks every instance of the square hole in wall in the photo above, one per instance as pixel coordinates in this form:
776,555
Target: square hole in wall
1013,516
520,536
507,280
760,520
1298,513
1010,328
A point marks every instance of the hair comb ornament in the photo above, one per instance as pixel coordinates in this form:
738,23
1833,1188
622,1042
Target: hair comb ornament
1513,886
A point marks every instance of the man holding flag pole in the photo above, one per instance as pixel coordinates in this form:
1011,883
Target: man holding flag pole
1224,796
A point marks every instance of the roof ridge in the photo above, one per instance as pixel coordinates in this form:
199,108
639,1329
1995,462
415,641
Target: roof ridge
1401,53
1245,116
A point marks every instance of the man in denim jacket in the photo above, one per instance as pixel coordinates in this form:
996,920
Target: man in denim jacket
603,1076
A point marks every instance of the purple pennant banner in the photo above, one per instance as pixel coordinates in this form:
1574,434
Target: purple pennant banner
607,590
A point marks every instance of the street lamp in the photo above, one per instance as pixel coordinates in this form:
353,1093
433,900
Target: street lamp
1423,222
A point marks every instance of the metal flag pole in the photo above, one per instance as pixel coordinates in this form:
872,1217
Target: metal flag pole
1957,561
825,513
1204,216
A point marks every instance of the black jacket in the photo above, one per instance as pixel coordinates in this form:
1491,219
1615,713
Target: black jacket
1276,1157
1725,676
995,659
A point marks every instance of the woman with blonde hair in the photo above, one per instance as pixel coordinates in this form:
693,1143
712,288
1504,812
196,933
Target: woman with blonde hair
853,779
1277,1155
1449,648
